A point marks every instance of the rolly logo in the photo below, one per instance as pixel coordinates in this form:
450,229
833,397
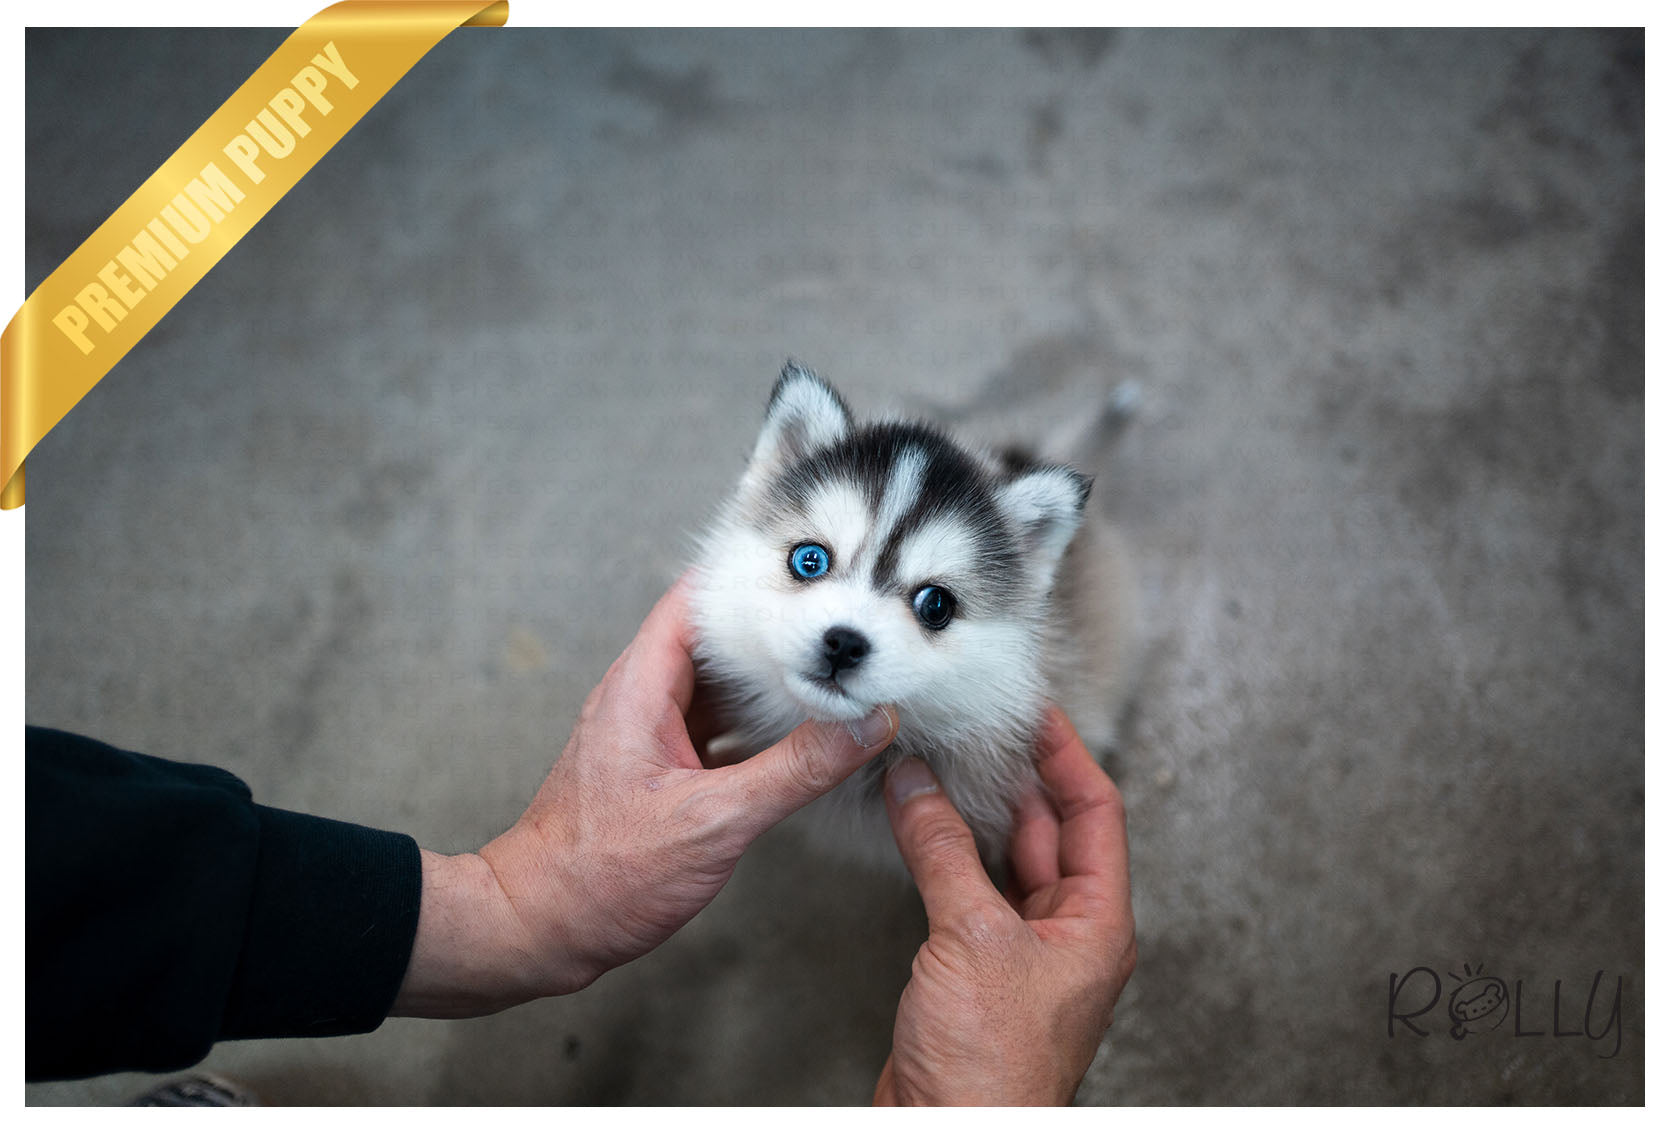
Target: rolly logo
1479,1003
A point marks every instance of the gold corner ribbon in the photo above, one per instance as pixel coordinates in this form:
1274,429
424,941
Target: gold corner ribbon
132,270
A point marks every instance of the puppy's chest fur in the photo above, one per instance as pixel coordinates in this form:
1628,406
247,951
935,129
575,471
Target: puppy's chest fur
863,564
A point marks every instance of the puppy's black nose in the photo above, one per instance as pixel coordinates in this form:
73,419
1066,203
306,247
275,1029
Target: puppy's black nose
844,648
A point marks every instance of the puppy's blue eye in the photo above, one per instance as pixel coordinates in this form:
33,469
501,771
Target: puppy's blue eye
934,606
809,561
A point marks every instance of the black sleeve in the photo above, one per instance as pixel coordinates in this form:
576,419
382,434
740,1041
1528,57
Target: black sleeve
166,910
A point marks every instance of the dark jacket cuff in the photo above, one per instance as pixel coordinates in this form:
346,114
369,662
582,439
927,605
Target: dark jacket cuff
333,914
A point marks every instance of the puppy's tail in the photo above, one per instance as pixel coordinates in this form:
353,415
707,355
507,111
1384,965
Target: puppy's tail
1083,440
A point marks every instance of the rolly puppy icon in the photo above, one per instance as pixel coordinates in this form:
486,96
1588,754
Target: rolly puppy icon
1479,1004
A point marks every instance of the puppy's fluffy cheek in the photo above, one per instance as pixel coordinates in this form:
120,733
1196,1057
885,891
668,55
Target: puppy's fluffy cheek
957,676
740,587
784,634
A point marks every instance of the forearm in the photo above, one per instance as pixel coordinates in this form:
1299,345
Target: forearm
470,956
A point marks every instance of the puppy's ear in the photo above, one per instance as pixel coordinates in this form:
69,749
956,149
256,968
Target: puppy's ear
1045,504
804,415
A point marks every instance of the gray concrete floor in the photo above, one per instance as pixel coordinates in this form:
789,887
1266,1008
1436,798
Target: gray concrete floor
371,510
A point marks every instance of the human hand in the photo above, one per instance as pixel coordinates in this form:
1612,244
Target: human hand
1008,999
627,839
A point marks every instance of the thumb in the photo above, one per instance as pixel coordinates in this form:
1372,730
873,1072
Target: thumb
936,844
805,764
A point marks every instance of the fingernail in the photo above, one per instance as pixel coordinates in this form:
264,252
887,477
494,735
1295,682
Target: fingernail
910,777
872,729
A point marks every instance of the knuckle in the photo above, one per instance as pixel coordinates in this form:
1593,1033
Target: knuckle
806,767
1102,796
1117,964
593,705
670,732
984,928
1101,791
1127,963
702,814
1116,802
942,838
